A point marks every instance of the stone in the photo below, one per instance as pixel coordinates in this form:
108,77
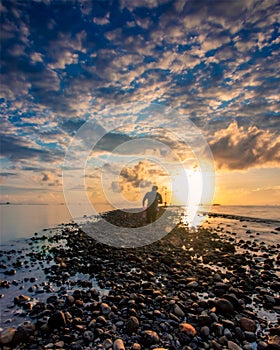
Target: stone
274,342
21,299
88,336
205,331
24,332
132,325
247,324
107,344
216,345
178,311
218,329
192,284
59,344
227,333
150,338
57,320
7,335
224,306
136,346
187,328
118,345
233,346
250,336
262,345
105,309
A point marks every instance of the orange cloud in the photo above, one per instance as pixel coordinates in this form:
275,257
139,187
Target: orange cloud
239,148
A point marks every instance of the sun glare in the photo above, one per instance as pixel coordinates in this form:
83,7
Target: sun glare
187,192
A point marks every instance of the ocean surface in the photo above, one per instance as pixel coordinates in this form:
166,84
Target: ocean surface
22,221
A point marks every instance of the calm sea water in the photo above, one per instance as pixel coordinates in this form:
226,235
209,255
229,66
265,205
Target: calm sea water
22,221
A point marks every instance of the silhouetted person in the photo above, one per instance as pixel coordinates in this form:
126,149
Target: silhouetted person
153,198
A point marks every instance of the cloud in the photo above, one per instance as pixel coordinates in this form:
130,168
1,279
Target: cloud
240,148
215,61
134,180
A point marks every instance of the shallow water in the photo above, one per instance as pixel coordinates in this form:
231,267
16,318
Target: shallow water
22,221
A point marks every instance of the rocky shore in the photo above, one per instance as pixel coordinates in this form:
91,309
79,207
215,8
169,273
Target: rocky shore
193,289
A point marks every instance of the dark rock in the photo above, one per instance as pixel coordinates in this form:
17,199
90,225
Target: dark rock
224,306
150,337
7,335
250,336
57,320
248,325
132,325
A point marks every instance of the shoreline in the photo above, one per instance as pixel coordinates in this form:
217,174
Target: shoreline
191,289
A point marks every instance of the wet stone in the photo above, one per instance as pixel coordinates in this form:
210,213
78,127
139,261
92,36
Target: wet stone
118,345
150,337
224,306
187,328
7,335
233,346
132,325
57,320
248,324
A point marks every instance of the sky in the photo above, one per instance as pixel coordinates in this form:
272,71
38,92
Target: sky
214,65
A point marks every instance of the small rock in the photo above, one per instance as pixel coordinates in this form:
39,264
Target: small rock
118,345
57,320
21,299
59,344
187,328
178,311
105,309
205,331
233,346
150,338
224,306
132,325
7,335
136,346
248,325
274,342
88,336
262,345
107,344
192,284
250,336
227,333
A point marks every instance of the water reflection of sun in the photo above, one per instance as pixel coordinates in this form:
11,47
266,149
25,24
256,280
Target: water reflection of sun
187,192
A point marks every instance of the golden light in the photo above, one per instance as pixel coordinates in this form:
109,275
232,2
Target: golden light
187,192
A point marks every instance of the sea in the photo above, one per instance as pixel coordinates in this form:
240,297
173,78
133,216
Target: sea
21,222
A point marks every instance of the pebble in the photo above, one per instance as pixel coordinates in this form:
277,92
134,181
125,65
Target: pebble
7,335
224,306
247,324
118,345
187,328
150,337
132,325
233,346
57,320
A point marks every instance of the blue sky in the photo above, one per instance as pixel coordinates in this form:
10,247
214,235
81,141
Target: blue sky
216,62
